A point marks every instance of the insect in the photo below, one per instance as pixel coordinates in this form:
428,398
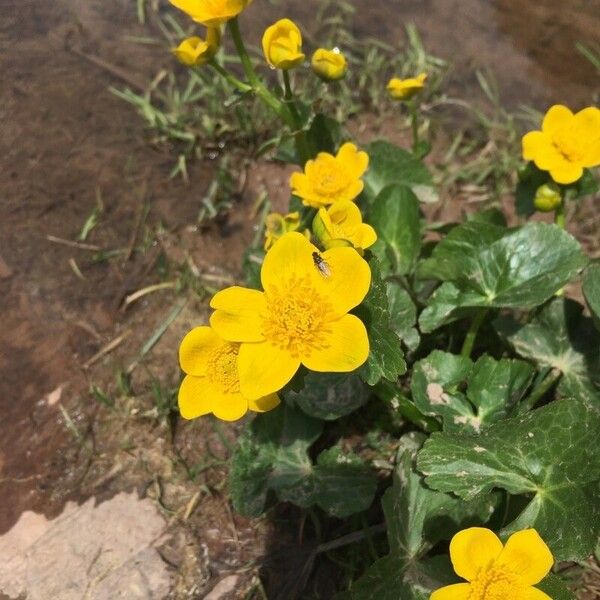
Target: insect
321,264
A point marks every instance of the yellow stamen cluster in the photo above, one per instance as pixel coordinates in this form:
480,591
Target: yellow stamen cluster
297,317
493,584
221,367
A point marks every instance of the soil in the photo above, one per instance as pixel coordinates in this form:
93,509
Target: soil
67,143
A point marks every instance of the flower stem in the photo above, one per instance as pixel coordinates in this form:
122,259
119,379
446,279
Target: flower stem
234,81
559,215
302,147
469,342
540,390
414,123
388,392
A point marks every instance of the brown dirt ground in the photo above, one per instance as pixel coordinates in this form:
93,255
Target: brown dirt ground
65,140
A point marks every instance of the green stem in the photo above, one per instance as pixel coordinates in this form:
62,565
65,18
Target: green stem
234,81
469,342
538,392
302,146
388,392
234,29
559,215
414,123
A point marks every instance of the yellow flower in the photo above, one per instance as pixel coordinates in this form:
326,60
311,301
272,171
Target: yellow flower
329,64
329,178
405,89
547,198
566,144
194,51
301,317
277,224
282,45
343,221
494,571
212,383
211,13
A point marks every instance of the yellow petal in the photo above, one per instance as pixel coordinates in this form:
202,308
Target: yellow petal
556,117
353,190
193,399
587,129
264,404
355,161
264,369
527,555
290,257
229,407
531,143
237,317
366,236
344,349
458,591
531,593
348,282
345,212
196,348
566,172
473,549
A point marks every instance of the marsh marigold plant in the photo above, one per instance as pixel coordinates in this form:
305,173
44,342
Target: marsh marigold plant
342,222
328,179
566,144
301,317
212,382
495,571
195,51
405,89
329,65
282,45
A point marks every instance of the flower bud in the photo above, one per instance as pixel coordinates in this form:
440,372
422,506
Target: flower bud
277,225
211,13
405,89
282,45
547,198
195,51
329,65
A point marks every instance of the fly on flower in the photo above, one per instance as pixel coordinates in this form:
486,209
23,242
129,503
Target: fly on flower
321,264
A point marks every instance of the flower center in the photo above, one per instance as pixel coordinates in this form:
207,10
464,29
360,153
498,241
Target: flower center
568,146
330,179
297,317
495,583
222,367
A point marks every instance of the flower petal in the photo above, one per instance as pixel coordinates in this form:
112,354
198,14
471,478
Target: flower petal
345,213
366,236
194,397
473,549
587,129
238,314
556,117
264,404
355,161
458,591
290,257
349,279
345,349
264,369
196,348
526,554
531,143
531,593
566,172
229,407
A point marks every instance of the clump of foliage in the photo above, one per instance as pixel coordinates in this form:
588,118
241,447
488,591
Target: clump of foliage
452,347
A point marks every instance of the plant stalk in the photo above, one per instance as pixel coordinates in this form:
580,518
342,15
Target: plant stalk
559,215
471,336
414,123
538,392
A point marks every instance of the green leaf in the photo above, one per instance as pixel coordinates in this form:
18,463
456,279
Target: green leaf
549,455
271,454
386,359
395,216
494,389
329,396
591,291
556,588
560,337
324,134
341,484
520,270
389,164
403,314
417,518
